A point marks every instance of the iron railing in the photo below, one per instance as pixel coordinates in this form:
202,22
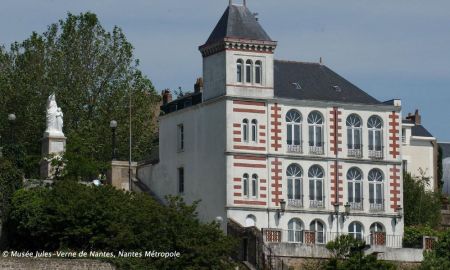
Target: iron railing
316,150
376,154
376,207
355,150
296,203
292,148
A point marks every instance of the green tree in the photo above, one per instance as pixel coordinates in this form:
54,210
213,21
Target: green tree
348,253
10,181
78,217
439,257
421,207
94,74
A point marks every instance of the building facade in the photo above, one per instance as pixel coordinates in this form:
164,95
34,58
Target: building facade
419,151
280,145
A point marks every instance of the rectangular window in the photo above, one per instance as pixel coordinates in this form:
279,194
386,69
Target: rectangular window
180,137
289,134
297,189
405,166
297,135
181,180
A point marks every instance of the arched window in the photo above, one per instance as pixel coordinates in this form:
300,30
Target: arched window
356,230
315,123
377,234
315,175
245,185
376,178
294,175
354,135
355,188
258,72
250,221
239,69
318,227
254,130
295,230
254,185
245,130
248,71
294,131
376,227
375,125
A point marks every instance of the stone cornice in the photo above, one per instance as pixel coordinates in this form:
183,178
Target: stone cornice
237,44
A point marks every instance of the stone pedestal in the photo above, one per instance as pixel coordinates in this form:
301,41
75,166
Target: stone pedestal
118,175
52,144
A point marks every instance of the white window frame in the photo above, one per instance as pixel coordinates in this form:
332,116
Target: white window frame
254,132
245,130
248,71
316,175
353,230
315,122
376,180
240,71
375,126
320,234
294,174
258,72
354,178
254,186
180,137
354,123
295,230
293,122
245,185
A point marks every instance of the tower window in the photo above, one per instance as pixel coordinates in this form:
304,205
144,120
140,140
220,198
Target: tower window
180,137
248,71
239,65
258,72
181,180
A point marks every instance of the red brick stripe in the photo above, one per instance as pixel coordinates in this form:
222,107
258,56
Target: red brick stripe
248,111
253,148
247,165
249,103
249,202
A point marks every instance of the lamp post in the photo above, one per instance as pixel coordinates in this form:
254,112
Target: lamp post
282,208
11,120
399,215
343,215
113,126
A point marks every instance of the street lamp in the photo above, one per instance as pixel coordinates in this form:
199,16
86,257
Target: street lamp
282,208
337,214
113,126
399,215
12,120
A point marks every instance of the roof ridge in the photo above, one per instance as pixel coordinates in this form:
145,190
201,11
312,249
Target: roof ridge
299,62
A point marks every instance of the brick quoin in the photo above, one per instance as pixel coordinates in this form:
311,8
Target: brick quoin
394,145
276,177
275,131
395,187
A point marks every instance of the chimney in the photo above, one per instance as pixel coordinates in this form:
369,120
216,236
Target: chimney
415,118
198,86
166,96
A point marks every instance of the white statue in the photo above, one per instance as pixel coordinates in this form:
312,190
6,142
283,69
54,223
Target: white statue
54,116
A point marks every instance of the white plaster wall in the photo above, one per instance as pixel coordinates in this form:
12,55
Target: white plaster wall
214,75
203,158
420,156
263,90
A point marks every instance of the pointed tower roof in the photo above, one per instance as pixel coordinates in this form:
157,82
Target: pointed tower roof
238,22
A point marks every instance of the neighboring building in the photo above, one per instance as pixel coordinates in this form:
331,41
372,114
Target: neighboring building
419,150
265,132
445,167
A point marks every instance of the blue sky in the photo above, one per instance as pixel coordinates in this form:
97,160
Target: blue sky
390,49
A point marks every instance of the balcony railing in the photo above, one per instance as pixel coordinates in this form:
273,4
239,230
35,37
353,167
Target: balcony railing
307,237
297,203
355,151
292,148
376,154
357,205
316,150
317,203
376,207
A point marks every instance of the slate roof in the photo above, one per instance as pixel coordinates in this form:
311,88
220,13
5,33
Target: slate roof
314,81
445,149
419,130
238,22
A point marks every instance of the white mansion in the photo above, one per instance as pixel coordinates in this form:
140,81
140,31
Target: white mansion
280,145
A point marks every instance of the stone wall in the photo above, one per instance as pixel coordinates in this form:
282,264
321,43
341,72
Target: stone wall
59,264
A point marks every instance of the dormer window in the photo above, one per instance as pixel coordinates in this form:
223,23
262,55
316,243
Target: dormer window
258,72
239,66
248,71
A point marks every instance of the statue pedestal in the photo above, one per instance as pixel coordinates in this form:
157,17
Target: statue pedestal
52,143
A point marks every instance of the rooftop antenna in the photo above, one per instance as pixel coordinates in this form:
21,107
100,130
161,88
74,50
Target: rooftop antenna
320,60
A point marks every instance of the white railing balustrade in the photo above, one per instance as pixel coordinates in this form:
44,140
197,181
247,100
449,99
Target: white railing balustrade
316,150
295,148
375,154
